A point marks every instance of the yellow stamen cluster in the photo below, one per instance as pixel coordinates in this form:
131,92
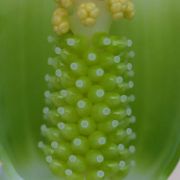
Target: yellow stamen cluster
121,9
60,21
88,13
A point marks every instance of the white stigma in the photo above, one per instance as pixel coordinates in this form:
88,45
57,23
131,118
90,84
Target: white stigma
50,39
133,119
123,98
77,142
61,125
122,164
128,111
40,145
68,172
81,104
117,59
99,72
47,77
115,123
79,83
100,93
47,94
132,149
45,110
84,123
129,131
99,158
51,61
71,42
130,84
100,173
72,158
91,56
58,73
106,111
121,147
119,79
44,128
129,43
64,92
57,50
106,41
74,66
129,66
54,145
49,159
131,54
132,98
102,140
61,110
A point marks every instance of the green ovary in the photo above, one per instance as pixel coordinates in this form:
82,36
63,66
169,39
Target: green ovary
88,133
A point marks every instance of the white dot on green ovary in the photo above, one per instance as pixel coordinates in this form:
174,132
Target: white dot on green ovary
115,123
57,50
45,110
61,110
77,142
100,93
106,111
47,94
121,147
54,145
106,41
72,158
100,173
70,42
79,83
64,92
119,79
102,140
74,66
99,158
117,59
68,172
84,124
49,159
122,164
81,104
99,72
91,56
58,73
41,145
61,125
132,149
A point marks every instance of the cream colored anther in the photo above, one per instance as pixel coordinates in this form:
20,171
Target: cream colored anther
66,3
129,11
60,21
121,9
88,13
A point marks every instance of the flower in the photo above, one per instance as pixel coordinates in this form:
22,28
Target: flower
24,27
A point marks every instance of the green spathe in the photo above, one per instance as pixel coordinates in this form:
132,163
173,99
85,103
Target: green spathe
22,65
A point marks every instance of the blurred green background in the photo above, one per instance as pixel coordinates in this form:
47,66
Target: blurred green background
24,27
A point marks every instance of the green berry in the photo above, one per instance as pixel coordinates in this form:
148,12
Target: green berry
88,133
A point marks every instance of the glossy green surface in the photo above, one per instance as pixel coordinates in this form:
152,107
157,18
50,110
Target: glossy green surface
81,111
24,27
